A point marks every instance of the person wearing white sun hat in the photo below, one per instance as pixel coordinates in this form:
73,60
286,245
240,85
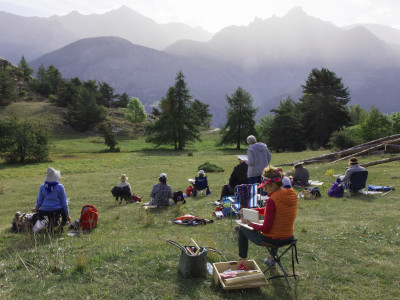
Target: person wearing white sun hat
51,199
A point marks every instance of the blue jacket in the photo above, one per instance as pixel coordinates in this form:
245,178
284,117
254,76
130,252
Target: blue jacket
52,200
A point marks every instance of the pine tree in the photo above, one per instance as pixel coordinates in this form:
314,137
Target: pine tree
240,119
202,112
83,111
323,106
106,96
23,65
177,124
286,130
7,88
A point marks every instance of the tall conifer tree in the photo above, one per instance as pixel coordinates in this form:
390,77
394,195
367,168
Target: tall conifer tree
240,119
177,124
323,106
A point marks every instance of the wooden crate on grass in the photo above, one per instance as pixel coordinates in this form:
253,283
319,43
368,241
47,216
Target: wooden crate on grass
249,279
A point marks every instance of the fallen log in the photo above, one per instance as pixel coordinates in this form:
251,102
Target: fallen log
361,149
378,141
382,161
376,147
390,148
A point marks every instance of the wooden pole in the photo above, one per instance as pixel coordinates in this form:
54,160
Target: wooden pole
357,150
363,151
382,161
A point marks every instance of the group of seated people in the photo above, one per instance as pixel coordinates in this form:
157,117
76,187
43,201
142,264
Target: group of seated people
280,209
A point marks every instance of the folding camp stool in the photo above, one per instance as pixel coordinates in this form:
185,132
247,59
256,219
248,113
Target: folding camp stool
289,246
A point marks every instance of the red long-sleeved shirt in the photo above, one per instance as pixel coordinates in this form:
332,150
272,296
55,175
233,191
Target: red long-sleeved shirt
268,219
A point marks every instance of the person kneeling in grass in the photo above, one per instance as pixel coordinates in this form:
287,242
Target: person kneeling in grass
280,213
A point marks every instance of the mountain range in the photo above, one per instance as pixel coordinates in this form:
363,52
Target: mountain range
269,58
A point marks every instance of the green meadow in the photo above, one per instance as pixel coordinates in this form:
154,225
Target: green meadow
348,248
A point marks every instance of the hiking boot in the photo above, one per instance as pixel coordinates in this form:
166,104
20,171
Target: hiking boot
269,262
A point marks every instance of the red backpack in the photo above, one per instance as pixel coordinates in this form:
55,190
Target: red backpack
189,191
89,217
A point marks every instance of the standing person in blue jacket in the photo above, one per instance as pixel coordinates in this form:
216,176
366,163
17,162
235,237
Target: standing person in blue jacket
51,199
258,157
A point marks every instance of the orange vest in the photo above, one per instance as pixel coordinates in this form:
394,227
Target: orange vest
286,203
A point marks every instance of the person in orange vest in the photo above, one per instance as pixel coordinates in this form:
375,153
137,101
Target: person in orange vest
280,214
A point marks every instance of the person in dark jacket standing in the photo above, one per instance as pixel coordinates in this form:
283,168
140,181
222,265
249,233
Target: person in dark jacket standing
258,157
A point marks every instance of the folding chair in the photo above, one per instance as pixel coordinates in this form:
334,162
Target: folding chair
277,258
56,220
246,197
200,184
357,182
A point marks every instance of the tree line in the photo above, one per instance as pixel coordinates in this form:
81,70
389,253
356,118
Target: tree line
320,118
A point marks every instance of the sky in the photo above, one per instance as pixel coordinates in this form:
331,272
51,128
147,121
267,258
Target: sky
213,15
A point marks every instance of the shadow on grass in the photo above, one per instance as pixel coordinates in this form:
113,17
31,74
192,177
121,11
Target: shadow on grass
253,293
361,197
281,290
164,152
27,240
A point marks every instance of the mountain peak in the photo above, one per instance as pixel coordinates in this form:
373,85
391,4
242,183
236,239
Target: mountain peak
296,13
124,8
74,13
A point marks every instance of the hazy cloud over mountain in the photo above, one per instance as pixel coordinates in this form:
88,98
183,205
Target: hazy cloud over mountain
215,15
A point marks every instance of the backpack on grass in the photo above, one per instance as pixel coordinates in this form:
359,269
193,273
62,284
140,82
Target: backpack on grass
336,190
22,222
89,217
178,197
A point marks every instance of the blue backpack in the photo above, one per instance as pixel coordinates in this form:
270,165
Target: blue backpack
336,190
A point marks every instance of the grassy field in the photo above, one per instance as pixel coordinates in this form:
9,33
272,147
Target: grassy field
348,248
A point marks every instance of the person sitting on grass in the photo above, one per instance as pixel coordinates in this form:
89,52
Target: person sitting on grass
280,214
51,200
124,189
161,193
238,176
301,175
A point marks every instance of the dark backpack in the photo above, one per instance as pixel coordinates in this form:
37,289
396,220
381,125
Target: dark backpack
336,190
314,191
178,197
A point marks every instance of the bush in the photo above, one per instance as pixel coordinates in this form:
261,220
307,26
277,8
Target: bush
109,138
344,139
207,167
23,142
